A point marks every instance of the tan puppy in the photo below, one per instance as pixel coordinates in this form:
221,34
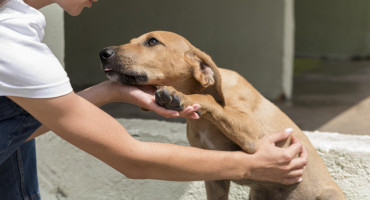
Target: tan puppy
233,115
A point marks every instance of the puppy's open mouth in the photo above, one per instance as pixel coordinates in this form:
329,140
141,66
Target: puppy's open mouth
131,78
148,88
140,80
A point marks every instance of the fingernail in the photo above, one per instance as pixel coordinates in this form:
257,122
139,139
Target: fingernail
300,180
175,115
289,130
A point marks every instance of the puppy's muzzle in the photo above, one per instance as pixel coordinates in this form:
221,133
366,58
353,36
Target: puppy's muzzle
106,55
116,69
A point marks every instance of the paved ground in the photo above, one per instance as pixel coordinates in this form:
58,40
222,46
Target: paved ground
331,96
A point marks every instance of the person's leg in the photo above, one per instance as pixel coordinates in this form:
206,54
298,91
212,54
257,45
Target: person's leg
18,172
18,175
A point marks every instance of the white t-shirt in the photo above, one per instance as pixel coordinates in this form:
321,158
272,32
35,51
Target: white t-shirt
28,68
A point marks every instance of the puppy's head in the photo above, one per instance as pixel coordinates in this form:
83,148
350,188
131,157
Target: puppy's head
162,58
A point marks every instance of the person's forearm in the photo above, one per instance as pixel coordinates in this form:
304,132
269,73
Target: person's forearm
97,95
142,160
179,163
97,133
92,130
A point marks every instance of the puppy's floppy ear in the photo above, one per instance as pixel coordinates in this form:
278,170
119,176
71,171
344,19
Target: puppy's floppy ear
206,73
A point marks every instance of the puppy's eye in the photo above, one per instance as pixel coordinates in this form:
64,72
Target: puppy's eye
152,42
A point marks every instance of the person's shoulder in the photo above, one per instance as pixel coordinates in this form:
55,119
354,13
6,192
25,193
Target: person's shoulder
28,67
18,10
21,23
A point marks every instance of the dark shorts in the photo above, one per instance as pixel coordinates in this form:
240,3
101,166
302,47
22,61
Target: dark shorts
18,172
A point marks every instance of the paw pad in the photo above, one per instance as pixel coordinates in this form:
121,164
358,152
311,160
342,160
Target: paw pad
167,99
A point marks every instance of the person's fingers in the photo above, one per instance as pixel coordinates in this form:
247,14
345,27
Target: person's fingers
301,161
294,176
192,108
303,154
194,114
295,173
196,107
289,181
162,111
280,136
290,152
190,112
294,140
298,163
187,112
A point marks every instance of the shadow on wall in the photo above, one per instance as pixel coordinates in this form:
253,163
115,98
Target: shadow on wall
331,90
331,96
334,29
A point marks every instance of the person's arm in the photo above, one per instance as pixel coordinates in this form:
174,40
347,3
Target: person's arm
92,130
108,92
143,96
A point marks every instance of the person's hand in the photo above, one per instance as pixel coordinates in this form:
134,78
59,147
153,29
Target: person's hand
143,96
283,165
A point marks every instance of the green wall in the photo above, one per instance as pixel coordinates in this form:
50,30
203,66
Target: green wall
338,29
244,35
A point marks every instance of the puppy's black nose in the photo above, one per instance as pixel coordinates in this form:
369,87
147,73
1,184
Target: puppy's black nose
106,53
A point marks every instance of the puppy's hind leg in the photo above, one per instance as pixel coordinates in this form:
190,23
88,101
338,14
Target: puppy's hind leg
217,190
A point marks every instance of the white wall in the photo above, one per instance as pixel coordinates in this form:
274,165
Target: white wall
54,30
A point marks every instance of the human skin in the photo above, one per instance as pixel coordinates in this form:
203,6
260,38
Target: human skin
77,119
86,126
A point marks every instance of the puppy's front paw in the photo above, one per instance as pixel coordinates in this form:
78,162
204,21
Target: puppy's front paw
169,98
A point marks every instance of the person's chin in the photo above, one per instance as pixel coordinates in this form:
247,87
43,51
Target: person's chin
75,12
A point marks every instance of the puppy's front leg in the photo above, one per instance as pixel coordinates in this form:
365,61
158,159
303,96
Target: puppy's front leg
217,190
236,125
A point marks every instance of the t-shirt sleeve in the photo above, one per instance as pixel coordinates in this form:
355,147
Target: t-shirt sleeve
28,68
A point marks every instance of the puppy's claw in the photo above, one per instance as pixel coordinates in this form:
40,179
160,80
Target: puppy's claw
176,101
165,96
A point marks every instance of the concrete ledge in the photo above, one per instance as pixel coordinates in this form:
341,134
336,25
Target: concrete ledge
65,172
